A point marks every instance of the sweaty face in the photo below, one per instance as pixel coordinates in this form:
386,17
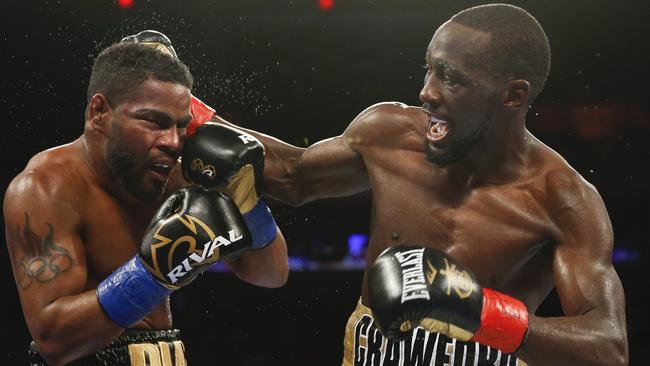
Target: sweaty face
459,97
144,140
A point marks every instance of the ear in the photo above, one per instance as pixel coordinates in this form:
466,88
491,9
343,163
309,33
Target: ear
99,112
516,93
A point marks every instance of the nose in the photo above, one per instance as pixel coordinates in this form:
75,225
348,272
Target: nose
170,141
430,94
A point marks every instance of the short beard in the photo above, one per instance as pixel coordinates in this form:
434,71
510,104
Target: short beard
456,150
128,173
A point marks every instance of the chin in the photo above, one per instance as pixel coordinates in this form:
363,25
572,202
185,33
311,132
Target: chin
455,150
441,157
148,191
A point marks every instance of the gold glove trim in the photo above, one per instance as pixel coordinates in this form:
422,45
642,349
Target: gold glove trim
433,325
242,188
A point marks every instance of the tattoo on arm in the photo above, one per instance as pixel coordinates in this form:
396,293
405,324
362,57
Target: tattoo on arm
43,260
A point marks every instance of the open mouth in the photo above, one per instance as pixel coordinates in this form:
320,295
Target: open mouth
437,131
161,170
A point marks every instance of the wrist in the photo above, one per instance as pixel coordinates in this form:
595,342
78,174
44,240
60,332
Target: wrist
130,293
504,322
261,224
241,188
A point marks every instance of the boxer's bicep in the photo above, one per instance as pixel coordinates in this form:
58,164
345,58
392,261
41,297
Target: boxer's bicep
45,248
329,168
586,285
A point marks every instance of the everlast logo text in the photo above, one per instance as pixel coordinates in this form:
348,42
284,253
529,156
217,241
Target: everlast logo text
413,282
424,348
208,250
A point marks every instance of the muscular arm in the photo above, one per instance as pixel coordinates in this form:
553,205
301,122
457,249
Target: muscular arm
267,267
593,332
48,259
329,168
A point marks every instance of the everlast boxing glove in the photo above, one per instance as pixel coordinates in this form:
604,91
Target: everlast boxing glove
190,231
420,286
222,157
200,111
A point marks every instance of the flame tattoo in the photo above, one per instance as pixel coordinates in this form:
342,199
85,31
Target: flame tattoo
43,260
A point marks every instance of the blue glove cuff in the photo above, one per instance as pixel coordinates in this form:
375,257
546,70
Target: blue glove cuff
130,293
261,224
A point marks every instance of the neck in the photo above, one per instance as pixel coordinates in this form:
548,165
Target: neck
499,158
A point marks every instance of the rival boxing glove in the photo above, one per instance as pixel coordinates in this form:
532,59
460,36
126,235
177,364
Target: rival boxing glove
200,111
190,231
222,157
420,286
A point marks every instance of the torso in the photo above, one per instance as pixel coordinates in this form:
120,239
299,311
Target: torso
112,229
501,232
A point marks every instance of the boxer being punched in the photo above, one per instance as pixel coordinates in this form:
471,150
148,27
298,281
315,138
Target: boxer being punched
461,184
97,241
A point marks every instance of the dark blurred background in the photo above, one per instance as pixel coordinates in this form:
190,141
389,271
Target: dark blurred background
302,70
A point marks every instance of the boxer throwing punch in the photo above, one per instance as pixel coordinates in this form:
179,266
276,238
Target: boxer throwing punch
462,185
97,242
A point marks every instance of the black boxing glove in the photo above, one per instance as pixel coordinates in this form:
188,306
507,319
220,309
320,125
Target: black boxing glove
420,286
154,39
222,157
200,111
190,231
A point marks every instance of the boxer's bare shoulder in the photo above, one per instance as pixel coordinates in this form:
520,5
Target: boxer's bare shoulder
386,124
56,174
564,187
572,204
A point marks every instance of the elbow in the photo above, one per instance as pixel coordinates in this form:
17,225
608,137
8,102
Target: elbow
280,277
615,359
619,354
52,351
274,279
612,352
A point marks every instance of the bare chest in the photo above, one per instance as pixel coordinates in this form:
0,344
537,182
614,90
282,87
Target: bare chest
112,235
494,231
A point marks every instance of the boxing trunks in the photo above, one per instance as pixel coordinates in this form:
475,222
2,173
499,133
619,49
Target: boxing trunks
364,345
132,348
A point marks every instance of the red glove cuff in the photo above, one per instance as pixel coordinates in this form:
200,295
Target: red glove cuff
504,322
201,113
